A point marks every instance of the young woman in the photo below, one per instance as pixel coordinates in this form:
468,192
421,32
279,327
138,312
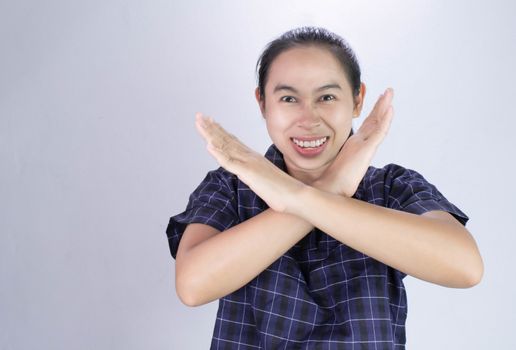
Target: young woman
307,246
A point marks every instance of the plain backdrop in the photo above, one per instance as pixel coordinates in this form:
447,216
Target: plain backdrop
98,149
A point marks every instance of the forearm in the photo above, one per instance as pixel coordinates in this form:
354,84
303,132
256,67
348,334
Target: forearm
426,248
230,259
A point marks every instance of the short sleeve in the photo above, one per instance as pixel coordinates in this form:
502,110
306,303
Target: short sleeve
409,191
212,203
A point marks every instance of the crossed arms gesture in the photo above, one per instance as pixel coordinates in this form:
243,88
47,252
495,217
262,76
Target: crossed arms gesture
433,246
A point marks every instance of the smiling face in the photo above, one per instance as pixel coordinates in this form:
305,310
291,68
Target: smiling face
308,109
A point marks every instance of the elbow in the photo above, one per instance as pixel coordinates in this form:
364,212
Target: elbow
469,266
476,272
185,292
474,276
472,273
186,298
464,272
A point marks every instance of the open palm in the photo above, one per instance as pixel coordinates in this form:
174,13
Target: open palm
350,165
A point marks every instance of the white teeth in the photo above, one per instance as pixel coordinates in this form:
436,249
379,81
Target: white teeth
314,143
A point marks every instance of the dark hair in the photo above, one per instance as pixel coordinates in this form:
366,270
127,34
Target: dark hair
307,36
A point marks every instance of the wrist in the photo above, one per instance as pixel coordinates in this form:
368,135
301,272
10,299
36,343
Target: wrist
300,200
326,187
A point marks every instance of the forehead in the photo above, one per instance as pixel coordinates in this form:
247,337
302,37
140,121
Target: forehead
305,67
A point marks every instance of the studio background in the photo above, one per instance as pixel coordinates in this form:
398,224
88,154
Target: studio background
98,149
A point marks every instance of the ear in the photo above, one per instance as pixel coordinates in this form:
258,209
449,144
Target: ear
261,102
359,101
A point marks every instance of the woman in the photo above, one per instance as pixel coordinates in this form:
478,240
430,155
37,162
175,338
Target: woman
307,247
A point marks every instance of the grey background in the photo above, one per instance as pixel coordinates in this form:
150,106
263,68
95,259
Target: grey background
98,149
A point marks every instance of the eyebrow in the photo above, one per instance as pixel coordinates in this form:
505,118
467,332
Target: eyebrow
281,87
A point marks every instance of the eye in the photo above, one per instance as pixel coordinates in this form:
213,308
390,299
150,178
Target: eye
284,98
331,97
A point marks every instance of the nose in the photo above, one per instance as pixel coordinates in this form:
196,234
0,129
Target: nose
309,117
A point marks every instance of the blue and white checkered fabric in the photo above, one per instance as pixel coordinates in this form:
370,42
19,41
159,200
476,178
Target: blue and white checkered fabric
320,294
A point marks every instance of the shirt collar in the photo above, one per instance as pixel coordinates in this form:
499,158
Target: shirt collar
276,157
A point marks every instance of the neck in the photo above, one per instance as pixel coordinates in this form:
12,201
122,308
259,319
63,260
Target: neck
306,176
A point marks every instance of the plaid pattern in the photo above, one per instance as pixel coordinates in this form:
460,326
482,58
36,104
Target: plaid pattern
320,294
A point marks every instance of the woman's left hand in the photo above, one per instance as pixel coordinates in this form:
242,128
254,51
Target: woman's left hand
351,163
275,187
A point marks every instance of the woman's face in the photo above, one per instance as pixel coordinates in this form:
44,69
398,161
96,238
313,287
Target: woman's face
308,109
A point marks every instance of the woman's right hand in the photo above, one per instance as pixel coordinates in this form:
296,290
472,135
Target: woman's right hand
277,188
350,165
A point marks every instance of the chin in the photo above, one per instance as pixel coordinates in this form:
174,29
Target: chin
308,164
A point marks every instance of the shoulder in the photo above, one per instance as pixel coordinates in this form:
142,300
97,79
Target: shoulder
390,170
386,185
217,191
220,174
398,187
391,174
398,178
218,180
212,203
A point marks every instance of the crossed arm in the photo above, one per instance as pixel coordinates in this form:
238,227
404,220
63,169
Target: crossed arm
433,246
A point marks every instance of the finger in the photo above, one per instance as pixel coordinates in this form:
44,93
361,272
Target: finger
385,101
218,136
219,156
375,128
225,160
387,120
211,131
389,95
389,91
212,134
223,139
200,125
376,106
218,130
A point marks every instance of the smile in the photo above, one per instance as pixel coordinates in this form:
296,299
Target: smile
309,147
310,143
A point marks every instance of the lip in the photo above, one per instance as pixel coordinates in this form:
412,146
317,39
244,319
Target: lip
309,152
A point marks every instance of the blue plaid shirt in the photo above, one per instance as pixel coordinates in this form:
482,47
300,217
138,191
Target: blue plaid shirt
320,293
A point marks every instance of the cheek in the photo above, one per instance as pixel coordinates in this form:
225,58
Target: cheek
278,123
275,128
337,119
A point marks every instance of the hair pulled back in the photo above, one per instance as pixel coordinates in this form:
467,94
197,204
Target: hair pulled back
307,36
